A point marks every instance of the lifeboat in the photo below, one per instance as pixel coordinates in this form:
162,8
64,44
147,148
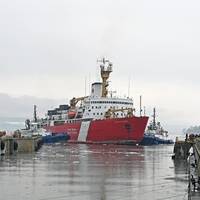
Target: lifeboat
71,114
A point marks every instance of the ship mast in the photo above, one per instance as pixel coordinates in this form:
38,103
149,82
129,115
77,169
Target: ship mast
35,113
106,69
154,118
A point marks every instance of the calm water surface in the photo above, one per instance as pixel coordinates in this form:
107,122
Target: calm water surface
93,172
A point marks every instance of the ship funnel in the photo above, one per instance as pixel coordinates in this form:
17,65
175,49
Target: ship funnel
96,89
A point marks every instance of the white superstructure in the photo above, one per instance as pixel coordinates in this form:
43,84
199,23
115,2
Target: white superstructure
98,105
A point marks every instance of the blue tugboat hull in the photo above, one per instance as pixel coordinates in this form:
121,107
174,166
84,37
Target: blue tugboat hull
55,138
153,140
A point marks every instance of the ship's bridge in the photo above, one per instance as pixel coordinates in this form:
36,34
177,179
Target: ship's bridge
96,108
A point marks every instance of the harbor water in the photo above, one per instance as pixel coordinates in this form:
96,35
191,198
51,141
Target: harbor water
95,172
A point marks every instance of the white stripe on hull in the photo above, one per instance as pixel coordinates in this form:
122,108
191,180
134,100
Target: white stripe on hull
83,131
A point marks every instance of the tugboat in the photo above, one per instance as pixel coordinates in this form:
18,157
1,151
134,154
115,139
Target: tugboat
155,134
34,128
99,118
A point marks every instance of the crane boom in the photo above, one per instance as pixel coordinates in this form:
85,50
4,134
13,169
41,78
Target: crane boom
74,101
111,112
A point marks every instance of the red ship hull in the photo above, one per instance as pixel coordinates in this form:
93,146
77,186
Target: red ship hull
118,130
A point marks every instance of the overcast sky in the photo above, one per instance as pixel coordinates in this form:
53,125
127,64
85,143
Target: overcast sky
48,47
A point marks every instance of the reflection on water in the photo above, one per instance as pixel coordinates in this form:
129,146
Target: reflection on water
79,171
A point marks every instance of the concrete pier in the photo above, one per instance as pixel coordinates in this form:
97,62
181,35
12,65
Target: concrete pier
181,149
11,145
197,154
7,146
28,145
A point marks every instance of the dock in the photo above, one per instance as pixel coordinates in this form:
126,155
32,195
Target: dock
181,149
12,145
190,150
197,154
